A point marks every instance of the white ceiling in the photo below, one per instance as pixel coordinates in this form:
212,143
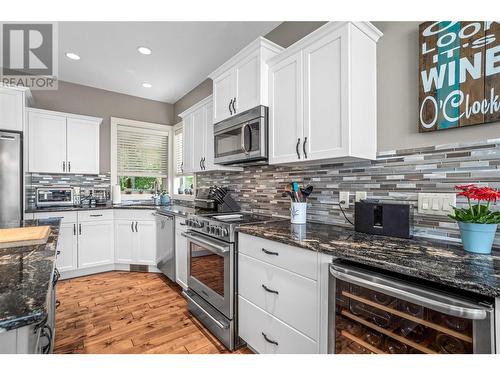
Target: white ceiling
184,53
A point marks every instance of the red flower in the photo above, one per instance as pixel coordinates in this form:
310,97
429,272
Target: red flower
465,187
485,194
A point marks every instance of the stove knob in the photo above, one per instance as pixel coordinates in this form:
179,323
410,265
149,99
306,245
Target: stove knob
200,224
189,223
225,232
217,231
212,229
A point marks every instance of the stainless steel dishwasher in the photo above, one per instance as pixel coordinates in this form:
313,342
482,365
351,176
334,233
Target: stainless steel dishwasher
374,312
165,244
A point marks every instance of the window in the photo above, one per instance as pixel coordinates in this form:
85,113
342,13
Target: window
140,158
183,184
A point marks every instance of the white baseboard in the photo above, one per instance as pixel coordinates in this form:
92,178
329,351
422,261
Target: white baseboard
106,268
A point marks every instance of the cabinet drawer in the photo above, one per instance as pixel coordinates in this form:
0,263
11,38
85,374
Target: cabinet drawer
289,297
93,215
254,323
180,224
65,216
301,261
135,215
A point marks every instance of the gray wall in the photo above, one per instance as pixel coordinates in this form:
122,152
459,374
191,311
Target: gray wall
90,101
397,88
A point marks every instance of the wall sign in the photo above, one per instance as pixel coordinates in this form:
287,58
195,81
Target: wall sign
459,74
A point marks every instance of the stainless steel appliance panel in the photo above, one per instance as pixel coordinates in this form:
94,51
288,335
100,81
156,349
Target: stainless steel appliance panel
210,270
165,245
370,312
11,204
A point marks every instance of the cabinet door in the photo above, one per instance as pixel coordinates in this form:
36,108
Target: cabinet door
11,109
67,245
124,241
248,83
146,243
187,147
47,143
285,111
181,271
199,120
324,93
224,92
95,243
209,138
82,146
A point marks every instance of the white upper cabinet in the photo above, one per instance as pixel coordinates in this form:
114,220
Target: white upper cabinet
241,83
198,139
82,145
62,143
13,101
323,96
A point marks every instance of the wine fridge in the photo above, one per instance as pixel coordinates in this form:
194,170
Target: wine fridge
374,313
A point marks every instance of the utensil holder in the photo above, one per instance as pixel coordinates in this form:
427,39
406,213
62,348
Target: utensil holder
298,212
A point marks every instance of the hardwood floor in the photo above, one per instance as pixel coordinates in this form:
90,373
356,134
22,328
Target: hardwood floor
128,312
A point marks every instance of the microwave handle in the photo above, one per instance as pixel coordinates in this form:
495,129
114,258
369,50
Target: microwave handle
429,299
243,148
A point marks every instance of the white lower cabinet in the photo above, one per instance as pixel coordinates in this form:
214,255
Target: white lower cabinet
135,237
497,324
95,243
67,259
279,308
181,255
268,335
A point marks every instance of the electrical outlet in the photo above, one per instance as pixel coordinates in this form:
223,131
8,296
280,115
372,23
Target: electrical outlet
436,203
344,196
360,195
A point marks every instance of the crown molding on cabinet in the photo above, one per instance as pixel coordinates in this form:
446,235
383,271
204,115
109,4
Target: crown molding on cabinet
196,106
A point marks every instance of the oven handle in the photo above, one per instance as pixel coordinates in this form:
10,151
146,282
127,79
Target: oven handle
243,148
404,291
197,240
219,324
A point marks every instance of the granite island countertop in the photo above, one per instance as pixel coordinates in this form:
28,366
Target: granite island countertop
25,276
446,264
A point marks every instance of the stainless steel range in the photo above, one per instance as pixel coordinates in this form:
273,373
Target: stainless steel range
212,247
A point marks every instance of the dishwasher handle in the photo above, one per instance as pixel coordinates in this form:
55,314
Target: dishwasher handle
403,290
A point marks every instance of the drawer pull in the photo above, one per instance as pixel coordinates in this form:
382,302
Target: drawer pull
269,252
95,215
269,340
269,290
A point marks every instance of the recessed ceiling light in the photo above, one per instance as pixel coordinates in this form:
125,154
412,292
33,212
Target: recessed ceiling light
72,56
147,85
144,50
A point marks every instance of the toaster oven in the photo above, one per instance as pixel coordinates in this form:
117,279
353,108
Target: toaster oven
54,196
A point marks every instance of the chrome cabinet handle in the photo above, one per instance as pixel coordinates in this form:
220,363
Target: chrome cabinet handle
80,229
132,226
96,215
69,166
230,110
74,229
304,147
297,148
136,227
269,252
64,166
269,340
182,167
234,102
269,290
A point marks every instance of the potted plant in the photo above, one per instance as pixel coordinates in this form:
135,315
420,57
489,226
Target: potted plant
477,223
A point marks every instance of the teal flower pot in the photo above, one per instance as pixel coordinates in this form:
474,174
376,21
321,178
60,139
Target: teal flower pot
477,238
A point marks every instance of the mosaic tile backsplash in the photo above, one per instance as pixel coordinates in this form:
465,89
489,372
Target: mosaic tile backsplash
395,175
85,182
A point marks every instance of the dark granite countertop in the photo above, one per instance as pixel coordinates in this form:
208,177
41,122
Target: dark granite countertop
169,209
446,264
25,276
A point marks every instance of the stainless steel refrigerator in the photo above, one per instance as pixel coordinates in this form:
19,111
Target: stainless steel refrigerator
11,169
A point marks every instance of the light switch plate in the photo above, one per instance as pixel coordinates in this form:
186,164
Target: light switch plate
344,196
360,195
436,203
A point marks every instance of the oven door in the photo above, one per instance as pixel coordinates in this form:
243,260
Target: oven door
210,270
241,143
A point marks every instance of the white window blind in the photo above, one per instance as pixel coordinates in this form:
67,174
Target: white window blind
141,152
178,144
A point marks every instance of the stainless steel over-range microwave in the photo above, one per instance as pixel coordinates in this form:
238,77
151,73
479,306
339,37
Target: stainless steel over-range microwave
242,138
